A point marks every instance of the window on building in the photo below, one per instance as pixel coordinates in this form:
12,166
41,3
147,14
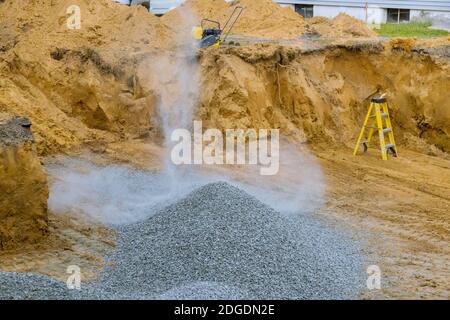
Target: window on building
398,15
306,10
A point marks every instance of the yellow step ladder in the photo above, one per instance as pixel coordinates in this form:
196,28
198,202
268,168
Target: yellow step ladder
377,114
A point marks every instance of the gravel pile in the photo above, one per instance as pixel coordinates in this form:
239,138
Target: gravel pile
26,286
221,243
14,130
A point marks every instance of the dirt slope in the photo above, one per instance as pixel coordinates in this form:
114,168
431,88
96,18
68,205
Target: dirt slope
261,18
266,19
323,95
79,86
23,185
75,84
91,86
400,210
342,26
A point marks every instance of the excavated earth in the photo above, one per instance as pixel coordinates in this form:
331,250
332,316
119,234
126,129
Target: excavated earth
97,89
23,185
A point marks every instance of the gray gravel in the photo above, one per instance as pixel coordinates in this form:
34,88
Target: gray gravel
25,286
204,291
15,130
219,243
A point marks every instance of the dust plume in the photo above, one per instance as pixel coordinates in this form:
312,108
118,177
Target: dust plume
175,75
119,194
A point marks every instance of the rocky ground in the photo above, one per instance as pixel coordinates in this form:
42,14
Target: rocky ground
217,242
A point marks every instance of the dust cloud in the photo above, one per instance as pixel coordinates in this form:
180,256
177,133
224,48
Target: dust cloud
120,194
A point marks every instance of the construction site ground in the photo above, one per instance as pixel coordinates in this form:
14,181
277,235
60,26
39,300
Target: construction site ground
398,209
101,95
401,208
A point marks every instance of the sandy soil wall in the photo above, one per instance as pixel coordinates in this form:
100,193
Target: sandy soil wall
95,84
323,95
23,185
75,85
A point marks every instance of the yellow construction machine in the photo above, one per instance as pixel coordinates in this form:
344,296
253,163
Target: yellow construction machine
210,32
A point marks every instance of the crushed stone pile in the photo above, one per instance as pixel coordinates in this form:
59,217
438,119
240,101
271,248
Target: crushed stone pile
25,286
14,130
221,243
221,234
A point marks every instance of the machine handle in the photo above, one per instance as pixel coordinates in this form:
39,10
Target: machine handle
237,10
211,21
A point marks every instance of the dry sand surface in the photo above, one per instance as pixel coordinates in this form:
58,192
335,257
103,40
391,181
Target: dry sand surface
403,206
72,240
340,27
98,89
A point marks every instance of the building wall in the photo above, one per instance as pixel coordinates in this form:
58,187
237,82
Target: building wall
437,18
435,11
288,5
376,11
371,14
374,15
332,11
162,6
430,5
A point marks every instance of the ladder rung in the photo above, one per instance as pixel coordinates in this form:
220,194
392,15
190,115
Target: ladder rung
386,130
383,115
377,127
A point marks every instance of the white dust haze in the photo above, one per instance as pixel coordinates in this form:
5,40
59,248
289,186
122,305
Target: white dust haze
176,75
119,194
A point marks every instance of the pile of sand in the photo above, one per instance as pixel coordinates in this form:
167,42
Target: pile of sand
266,19
103,23
261,18
342,26
76,85
79,86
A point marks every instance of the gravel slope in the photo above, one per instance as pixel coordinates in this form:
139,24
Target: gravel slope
221,243
25,286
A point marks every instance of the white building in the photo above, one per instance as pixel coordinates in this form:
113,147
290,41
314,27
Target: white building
162,6
376,11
